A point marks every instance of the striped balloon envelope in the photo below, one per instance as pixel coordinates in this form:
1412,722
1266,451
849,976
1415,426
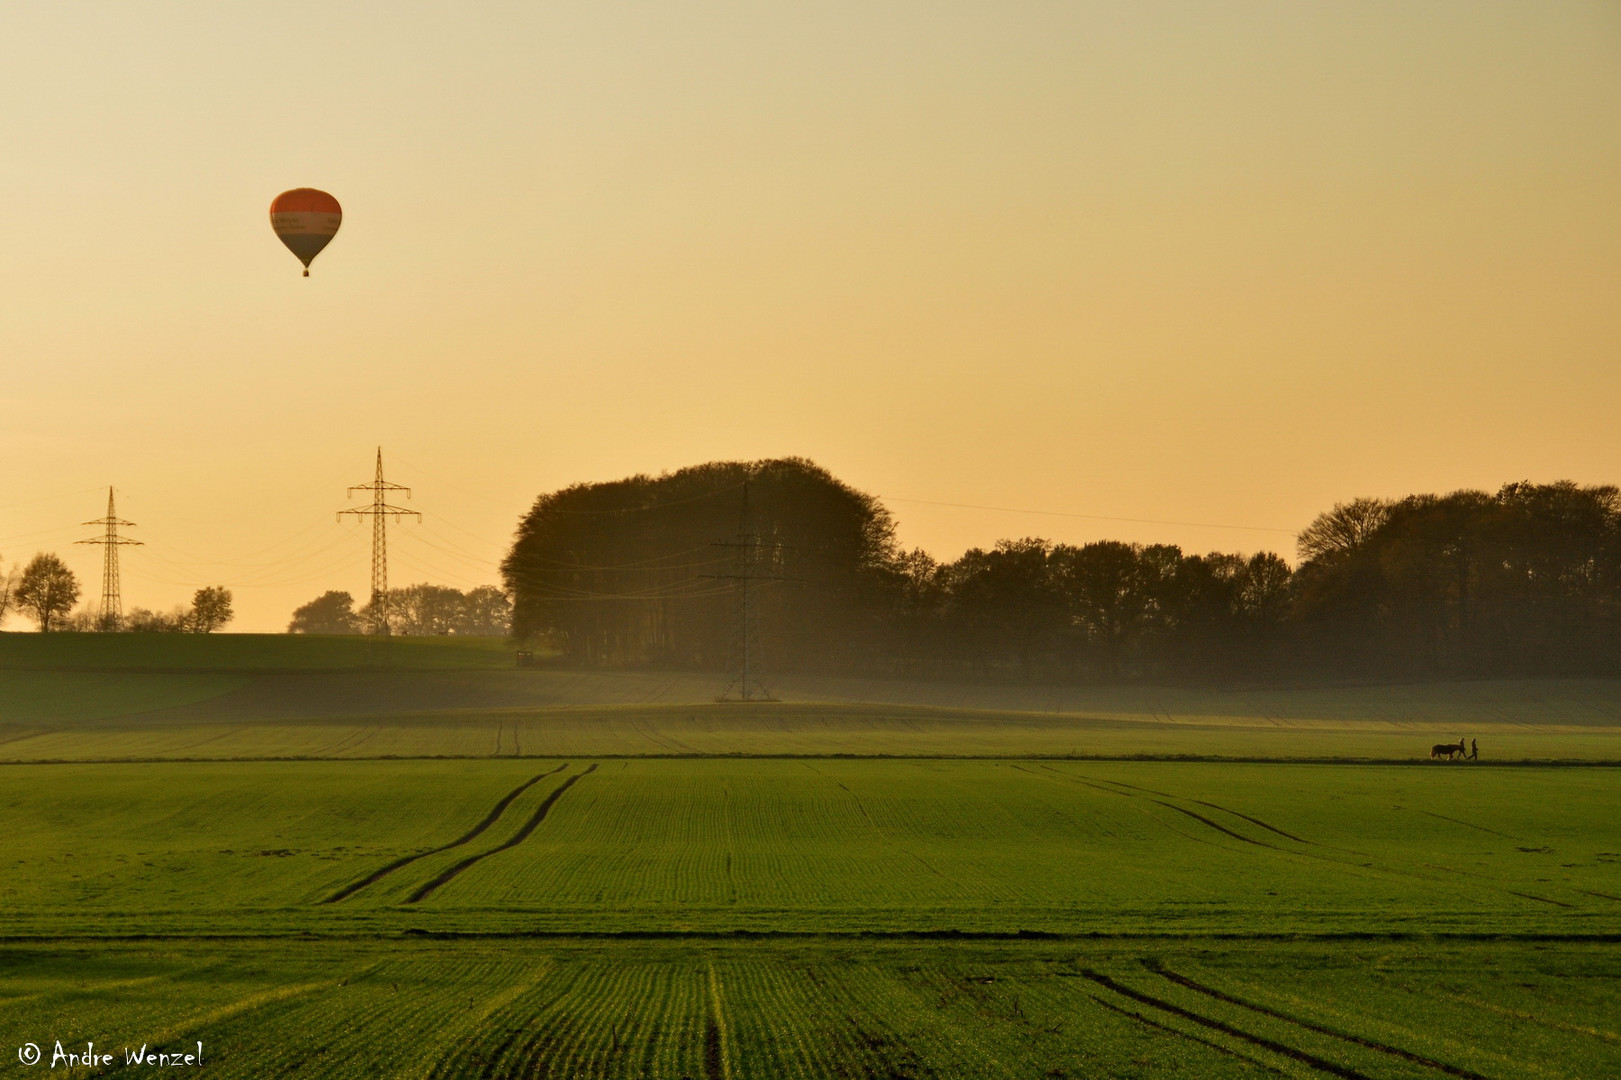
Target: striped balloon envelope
306,220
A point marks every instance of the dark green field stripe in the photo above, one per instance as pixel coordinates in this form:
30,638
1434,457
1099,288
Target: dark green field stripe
489,819
1322,1064
518,838
1322,1029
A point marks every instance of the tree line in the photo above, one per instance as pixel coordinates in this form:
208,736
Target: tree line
47,589
647,571
416,610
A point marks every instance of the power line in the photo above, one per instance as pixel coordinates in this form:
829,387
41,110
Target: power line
484,496
48,498
455,577
60,532
267,578
252,557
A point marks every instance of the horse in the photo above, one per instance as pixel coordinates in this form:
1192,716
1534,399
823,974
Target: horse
1449,750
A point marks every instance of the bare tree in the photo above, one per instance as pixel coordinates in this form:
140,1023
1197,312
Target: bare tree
8,586
1342,529
84,621
485,611
46,590
177,620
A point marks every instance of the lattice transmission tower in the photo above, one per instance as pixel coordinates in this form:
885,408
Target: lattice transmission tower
112,602
379,511
745,666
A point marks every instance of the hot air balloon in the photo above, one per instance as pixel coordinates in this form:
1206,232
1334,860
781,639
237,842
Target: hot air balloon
306,220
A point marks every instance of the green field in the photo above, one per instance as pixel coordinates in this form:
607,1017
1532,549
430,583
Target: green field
433,869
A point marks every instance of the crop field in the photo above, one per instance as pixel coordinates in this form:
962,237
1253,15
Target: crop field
832,917
448,870
715,845
792,1009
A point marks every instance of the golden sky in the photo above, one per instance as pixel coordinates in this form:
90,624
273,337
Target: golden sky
1209,264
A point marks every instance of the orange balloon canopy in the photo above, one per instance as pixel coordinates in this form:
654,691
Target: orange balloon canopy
306,220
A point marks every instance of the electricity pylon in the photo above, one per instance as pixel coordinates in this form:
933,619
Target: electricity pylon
112,603
745,671
379,511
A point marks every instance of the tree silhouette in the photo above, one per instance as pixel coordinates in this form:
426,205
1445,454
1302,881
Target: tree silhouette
46,590
330,613
210,609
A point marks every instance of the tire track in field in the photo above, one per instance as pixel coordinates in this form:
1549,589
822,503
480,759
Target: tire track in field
1216,1046
1169,806
1600,895
1211,805
1539,899
1460,821
1557,1025
1255,821
872,824
517,838
359,735
856,798
663,742
472,834
1321,1029
1214,825
1292,1052
1161,822
1339,862
31,734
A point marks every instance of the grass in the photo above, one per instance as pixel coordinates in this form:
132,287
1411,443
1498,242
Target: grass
473,871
